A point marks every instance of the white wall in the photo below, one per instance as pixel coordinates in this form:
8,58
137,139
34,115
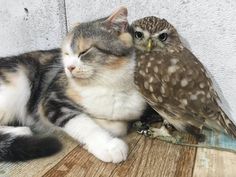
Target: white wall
42,27
209,27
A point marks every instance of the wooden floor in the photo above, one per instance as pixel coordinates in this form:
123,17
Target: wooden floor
147,157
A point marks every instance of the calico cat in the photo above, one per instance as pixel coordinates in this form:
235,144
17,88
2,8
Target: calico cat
85,89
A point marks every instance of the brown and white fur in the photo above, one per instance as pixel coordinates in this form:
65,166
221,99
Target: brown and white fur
86,89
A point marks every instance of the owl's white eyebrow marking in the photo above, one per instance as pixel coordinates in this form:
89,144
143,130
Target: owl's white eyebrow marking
184,82
146,85
155,69
138,29
163,31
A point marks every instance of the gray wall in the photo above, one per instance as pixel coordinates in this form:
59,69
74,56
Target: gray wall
208,27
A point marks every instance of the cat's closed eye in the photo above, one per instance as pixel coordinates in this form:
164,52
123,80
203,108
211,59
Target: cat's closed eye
84,52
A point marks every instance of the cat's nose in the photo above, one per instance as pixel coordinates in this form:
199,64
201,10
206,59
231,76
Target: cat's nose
71,68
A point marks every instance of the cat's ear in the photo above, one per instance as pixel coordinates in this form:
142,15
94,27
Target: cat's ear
118,20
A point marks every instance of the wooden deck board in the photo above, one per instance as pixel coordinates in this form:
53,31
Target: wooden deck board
38,167
214,163
147,158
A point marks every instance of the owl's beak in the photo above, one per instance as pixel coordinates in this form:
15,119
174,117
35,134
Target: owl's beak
149,45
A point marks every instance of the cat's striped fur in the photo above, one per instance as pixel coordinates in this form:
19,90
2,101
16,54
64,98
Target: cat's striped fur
23,82
86,90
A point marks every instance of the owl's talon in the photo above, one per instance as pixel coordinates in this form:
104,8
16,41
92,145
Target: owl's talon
147,133
143,129
160,132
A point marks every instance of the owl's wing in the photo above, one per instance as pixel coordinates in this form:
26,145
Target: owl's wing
210,105
178,87
181,120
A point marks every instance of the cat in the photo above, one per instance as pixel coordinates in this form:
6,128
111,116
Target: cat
85,89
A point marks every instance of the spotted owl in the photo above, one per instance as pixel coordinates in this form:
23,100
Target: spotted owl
174,82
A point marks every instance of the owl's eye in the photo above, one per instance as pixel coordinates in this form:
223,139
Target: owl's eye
162,37
138,35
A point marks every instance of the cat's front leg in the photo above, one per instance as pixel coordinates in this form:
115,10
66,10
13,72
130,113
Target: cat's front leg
116,128
96,139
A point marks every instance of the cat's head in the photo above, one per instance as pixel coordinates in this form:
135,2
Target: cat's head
93,49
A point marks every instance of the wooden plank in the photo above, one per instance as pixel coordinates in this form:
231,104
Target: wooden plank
147,157
81,163
214,163
37,167
219,140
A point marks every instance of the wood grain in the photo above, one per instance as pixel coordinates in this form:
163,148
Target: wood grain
38,167
214,163
147,157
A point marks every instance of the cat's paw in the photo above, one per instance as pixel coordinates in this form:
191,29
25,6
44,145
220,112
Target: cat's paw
118,150
114,151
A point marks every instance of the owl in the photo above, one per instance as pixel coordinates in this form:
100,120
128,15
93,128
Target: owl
174,82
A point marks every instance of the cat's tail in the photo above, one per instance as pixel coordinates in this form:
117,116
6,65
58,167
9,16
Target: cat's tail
18,144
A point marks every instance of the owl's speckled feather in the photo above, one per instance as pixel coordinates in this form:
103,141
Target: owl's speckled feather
176,84
152,24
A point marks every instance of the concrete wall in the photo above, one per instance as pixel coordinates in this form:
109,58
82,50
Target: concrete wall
209,28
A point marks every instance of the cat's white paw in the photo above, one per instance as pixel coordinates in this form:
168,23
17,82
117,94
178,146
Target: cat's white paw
118,150
114,151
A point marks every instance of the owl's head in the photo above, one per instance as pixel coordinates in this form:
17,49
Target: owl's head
154,34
